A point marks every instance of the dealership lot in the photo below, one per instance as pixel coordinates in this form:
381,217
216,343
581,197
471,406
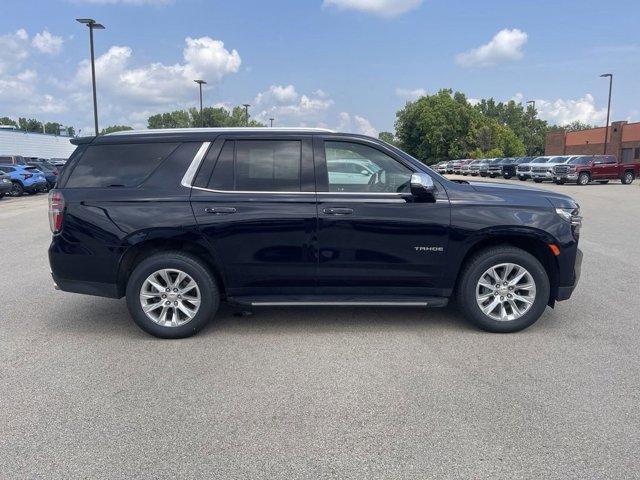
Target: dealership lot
324,393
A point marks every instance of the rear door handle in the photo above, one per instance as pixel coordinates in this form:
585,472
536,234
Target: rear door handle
220,210
338,211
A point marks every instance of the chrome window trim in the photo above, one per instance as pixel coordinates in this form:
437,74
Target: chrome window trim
189,175
254,192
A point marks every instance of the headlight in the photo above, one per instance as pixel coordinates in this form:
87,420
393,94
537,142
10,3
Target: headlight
572,216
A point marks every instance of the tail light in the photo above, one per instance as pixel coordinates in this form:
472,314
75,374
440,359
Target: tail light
56,210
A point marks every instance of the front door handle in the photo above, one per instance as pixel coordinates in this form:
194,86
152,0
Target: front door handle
338,211
220,210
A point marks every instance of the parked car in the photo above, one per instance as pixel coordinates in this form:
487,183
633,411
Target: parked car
494,168
474,168
5,184
351,171
441,167
510,165
484,167
180,220
523,170
12,160
50,171
450,165
58,162
543,171
601,168
25,178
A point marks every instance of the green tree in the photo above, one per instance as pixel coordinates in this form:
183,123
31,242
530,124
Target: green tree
52,127
387,137
437,127
30,125
115,128
175,119
7,121
211,117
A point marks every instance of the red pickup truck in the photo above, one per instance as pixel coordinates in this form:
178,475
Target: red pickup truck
583,169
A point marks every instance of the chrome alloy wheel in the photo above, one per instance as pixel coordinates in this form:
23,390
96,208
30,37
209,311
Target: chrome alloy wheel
505,292
170,297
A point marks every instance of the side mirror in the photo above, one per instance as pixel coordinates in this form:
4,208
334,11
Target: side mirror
422,187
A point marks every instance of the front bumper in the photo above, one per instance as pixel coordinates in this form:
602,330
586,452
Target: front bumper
564,292
566,177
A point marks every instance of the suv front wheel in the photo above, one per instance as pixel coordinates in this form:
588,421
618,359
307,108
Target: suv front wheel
172,295
503,289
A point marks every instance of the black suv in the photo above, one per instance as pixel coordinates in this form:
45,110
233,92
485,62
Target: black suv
179,220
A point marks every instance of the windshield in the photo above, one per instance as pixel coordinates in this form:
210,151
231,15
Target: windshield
580,161
541,160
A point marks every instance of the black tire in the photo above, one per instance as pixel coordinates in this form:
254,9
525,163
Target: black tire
583,179
507,177
522,179
537,180
485,259
2,195
17,190
192,266
560,182
627,178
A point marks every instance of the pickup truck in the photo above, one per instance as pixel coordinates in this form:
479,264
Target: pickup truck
600,168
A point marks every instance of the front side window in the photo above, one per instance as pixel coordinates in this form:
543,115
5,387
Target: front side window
125,165
353,167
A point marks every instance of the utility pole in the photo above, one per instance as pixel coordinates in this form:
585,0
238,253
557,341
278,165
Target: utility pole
91,23
271,120
606,131
246,113
200,83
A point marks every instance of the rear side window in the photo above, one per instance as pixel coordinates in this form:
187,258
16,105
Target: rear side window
125,165
258,166
7,169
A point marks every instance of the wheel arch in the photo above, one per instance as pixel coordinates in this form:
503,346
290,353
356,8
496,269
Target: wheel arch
532,242
144,249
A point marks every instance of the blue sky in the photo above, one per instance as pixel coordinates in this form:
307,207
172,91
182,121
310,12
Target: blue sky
346,64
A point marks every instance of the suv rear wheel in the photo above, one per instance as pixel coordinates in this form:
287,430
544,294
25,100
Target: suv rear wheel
503,289
627,178
172,295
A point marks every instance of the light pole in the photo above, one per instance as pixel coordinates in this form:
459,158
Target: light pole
91,23
271,122
606,131
200,83
246,113
532,102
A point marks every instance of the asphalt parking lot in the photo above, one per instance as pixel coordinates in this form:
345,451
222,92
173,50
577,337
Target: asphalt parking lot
324,393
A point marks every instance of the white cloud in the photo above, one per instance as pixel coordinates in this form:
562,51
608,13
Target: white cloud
359,124
564,111
126,92
289,108
410,94
14,48
47,43
382,8
505,46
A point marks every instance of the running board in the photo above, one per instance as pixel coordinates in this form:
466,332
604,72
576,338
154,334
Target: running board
338,301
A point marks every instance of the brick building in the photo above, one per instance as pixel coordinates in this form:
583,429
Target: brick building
623,141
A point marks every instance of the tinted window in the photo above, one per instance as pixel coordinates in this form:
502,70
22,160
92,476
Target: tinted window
268,165
7,169
222,175
118,165
6,160
379,172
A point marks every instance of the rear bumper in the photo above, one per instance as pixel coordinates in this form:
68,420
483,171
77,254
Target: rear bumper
108,290
565,292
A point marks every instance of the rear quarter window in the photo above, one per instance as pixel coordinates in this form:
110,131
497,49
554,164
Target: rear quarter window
123,165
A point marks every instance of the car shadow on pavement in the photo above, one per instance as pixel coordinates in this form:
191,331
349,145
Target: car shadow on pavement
100,316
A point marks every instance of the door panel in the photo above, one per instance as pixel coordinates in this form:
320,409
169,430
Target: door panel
258,212
377,238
